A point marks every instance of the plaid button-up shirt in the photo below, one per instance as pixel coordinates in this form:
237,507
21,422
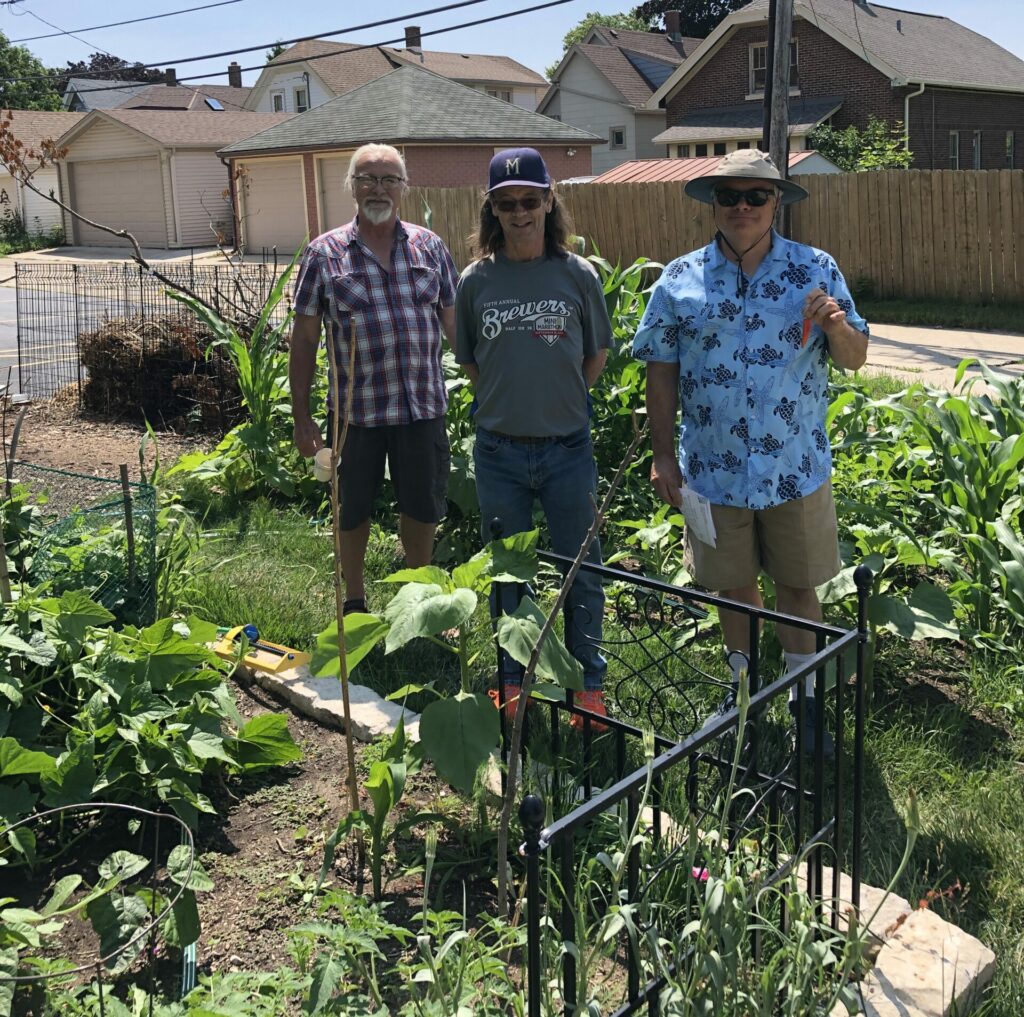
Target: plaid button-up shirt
398,373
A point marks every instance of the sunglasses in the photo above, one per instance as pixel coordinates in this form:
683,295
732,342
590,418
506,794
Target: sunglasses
528,204
755,197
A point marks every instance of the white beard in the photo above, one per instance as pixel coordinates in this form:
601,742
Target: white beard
378,213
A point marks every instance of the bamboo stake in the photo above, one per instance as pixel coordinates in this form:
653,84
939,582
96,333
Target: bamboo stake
512,781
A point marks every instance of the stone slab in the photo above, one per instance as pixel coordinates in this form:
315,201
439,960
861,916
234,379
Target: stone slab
320,699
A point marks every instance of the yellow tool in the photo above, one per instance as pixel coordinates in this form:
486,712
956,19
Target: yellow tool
262,654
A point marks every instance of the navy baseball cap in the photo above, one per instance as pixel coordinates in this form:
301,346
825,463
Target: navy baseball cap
519,167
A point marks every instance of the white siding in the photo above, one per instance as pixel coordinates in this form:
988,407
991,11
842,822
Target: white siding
123,194
37,213
102,140
200,180
527,97
288,79
273,201
647,126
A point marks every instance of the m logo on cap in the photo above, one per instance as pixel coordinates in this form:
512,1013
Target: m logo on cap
511,166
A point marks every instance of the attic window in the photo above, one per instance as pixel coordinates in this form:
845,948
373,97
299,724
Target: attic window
214,103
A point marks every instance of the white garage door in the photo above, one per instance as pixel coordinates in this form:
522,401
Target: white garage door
123,193
336,202
275,206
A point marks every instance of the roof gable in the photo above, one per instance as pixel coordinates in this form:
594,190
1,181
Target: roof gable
102,93
477,67
412,105
184,97
180,129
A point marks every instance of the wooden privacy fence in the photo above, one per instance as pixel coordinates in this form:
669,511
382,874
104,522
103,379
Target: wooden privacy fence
912,233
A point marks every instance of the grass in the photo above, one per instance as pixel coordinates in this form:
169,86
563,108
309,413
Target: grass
957,740
1001,317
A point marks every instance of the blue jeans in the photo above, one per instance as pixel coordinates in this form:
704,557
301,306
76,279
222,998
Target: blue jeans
561,474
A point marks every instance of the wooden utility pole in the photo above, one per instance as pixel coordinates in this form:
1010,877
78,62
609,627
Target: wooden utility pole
769,65
780,70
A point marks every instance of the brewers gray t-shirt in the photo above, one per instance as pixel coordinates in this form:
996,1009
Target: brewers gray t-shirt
527,325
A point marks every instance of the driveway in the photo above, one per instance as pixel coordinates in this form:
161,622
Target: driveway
8,338
67,255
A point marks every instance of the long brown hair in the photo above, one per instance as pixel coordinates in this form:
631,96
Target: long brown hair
490,237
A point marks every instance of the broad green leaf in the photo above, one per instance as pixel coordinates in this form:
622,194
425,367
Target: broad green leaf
200,631
420,609
23,840
16,759
458,734
116,919
409,690
514,558
16,801
474,574
74,777
207,745
928,614
177,869
842,586
61,893
122,865
362,633
382,788
425,574
181,926
72,615
265,741
164,654
38,651
326,975
519,633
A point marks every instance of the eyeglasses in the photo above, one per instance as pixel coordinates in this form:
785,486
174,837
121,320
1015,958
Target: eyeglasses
528,204
368,180
755,197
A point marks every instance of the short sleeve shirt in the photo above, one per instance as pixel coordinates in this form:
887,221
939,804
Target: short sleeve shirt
528,325
393,315
753,398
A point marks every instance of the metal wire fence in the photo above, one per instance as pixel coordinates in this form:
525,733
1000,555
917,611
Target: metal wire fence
111,335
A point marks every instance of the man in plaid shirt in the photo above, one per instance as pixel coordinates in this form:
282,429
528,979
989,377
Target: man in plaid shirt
390,285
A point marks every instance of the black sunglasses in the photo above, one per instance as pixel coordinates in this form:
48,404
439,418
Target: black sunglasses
755,197
528,204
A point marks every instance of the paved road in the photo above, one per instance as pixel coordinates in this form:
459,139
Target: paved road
8,338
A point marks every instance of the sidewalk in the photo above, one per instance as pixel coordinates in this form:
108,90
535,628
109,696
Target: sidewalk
102,255
931,355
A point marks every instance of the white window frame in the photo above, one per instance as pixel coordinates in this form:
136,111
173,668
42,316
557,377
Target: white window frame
275,95
752,68
611,137
301,107
504,94
700,155
683,151
954,150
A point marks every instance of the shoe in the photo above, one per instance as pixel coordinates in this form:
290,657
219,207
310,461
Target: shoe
808,730
728,703
512,690
357,605
591,700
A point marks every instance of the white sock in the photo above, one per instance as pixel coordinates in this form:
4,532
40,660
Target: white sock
793,661
738,663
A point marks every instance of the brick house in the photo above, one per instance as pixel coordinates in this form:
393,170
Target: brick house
959,95
290,178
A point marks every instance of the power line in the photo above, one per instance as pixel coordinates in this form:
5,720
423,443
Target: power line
353,49
71,35
115,24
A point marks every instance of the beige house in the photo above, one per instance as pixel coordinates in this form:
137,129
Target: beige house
155,173
30,127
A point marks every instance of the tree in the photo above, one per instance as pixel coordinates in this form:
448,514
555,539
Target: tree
697,18
107,67
877,147
24,81
578,32
276,50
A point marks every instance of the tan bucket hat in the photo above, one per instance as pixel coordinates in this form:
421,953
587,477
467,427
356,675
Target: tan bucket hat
744,164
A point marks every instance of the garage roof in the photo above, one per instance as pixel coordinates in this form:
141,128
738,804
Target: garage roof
643,171
412,105
30,126
183,128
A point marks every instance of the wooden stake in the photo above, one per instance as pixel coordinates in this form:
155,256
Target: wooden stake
129,524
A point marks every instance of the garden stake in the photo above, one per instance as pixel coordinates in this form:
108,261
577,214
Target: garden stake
524,694
337,443
129,527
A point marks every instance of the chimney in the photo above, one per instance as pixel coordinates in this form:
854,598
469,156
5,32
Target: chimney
171,77
672,32
412,37
899,25
235,74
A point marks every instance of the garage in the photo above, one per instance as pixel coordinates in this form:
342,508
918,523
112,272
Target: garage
273,205
337,206
122,193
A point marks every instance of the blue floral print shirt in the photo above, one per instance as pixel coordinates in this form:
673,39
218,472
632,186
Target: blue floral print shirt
753,398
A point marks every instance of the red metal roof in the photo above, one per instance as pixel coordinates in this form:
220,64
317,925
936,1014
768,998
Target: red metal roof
642,171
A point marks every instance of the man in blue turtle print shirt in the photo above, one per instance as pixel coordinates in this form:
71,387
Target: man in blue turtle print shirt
740,334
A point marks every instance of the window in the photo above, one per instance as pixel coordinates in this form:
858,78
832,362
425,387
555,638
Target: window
1009,149
954,150
719,148
301,100
683,151
214,104
617,137
700,150
759,67
277,101
976,150
504,94
743,144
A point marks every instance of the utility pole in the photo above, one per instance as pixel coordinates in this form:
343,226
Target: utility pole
780,71
769,70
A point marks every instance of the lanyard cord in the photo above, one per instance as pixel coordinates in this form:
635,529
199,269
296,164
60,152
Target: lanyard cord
741,279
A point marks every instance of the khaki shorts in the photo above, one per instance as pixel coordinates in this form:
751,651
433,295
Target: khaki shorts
796,543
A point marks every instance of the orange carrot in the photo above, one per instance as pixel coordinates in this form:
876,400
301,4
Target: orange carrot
807,332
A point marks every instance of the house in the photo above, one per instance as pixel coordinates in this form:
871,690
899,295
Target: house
155,173
602,85
292,175
85,94
310,73
959,95
31,127
644,171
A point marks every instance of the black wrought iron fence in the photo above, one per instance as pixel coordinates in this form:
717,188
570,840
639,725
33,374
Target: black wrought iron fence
116,326
808,801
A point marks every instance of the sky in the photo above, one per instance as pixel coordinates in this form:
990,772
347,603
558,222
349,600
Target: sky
534,39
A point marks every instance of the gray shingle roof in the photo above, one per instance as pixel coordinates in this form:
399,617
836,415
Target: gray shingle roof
655,44
925,47
193,129
412,105
620,73
724,122
187,97
497,70
103,93
338,68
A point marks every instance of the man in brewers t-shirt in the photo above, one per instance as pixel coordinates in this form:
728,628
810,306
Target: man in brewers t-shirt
532,334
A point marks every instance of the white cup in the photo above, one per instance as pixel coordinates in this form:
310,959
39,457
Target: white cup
322,464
